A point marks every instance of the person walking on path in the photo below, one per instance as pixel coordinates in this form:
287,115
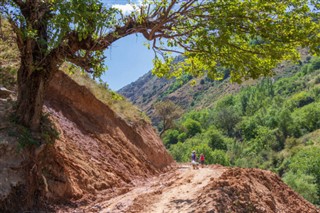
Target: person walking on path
202,160
194,160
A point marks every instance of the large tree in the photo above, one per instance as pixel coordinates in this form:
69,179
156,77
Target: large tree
248,36
167,112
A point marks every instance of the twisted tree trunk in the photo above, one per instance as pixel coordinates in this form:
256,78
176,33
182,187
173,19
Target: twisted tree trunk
33,80
31,88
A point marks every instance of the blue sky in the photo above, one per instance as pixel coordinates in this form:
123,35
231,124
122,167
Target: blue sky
127,59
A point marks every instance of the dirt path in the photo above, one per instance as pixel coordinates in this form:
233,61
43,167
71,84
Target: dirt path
180,196
170,192
210,189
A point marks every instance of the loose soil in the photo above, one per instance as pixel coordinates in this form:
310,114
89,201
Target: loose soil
210,189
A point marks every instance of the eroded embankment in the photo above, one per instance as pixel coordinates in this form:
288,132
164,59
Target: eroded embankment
99,150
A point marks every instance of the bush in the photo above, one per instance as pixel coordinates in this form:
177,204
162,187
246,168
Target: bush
307,117
286,124
192,127
201,116
204,149
179,152
216,140
291,142
315,62
307,68
303,184
248,128
170,137
307,161
182,137
226,118
25,138
219,157
300,99
243,162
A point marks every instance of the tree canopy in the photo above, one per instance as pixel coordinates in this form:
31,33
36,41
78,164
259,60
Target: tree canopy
167,112
247,36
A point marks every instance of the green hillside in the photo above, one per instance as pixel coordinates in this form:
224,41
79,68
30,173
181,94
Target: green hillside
192,93
272,125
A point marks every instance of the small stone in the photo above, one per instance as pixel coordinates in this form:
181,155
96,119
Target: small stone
5,93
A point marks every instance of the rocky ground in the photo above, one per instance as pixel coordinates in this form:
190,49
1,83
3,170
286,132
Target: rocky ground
210,189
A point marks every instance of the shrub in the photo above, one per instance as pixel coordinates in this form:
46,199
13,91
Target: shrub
219,157
307,117
216,140
226,118
182,137
178,152
291,142
25,138
170,137
248,128
264,140
192,127
303,184
286,124
300,99
307,161
201,116
315,62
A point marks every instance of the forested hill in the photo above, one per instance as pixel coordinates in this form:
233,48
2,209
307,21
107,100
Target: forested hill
149,89
190,93
270,123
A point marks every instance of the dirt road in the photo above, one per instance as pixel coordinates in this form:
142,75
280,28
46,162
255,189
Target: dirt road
213,189
179,197
170,192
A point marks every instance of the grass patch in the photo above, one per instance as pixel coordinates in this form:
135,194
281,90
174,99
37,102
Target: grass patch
9,57
115,101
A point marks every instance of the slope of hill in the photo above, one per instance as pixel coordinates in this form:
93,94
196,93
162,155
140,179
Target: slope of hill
144,91
96,151
149,89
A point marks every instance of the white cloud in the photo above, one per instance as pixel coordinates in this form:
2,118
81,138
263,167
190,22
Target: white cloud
129,7
125,8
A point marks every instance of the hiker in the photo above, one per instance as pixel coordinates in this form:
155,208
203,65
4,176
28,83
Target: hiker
201,160
194,160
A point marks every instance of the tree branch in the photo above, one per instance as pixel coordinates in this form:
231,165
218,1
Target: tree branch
150,27
20,3
17,31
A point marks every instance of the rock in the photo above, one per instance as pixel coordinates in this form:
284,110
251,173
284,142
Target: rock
5,93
